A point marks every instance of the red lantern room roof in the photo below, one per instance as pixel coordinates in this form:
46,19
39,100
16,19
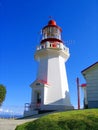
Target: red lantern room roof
52,23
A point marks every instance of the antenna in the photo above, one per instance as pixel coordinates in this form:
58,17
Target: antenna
50,17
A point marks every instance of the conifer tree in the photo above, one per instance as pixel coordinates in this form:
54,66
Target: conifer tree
2,93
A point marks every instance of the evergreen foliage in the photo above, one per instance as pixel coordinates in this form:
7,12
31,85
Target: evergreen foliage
2,93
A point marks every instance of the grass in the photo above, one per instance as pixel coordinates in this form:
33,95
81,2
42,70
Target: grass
69,120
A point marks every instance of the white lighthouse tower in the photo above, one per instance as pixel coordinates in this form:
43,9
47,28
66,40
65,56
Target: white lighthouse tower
50,89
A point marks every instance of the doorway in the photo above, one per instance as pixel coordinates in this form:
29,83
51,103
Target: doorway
38,99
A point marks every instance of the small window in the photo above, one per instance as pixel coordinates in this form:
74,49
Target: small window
37,84
42,47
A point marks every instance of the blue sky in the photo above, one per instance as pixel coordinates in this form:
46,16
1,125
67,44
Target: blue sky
20,24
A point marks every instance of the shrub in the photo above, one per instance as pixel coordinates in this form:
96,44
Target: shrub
70,120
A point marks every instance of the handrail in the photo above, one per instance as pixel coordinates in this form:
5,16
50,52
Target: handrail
32,106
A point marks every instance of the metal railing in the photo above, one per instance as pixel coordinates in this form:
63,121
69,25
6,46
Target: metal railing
32,106
53,45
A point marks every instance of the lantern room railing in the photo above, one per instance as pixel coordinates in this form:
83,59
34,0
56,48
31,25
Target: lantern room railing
53,45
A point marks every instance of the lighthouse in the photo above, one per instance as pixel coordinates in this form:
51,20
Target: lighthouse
50,89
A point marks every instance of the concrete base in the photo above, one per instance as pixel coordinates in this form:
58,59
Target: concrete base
48,108
30,113
56,107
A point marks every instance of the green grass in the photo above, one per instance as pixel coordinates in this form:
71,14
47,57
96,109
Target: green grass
69,120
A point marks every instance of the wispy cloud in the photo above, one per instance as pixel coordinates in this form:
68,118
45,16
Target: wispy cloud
1,109
10,111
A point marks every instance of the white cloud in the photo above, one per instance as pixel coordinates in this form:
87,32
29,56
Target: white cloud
10,111
5,110
1,109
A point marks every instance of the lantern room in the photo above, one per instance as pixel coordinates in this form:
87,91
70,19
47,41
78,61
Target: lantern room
51,39
51,32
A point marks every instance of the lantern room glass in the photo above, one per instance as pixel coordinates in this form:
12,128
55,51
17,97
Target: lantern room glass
51,32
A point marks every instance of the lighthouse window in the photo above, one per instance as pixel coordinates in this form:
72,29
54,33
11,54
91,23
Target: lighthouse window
51,32
37,84
42,47
44,34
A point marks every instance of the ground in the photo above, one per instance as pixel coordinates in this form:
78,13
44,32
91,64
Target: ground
10,124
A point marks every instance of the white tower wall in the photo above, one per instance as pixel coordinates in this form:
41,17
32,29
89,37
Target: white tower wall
52,70
50,89
55,78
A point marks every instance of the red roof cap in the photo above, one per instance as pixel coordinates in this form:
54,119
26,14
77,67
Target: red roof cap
83,85
43,82
52,22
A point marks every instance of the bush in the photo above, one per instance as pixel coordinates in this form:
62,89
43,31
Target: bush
71,120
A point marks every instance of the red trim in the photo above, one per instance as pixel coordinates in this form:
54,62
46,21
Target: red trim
54,45
43,82
83,85
51,39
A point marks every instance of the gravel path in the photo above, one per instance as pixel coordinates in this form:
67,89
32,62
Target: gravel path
10,124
